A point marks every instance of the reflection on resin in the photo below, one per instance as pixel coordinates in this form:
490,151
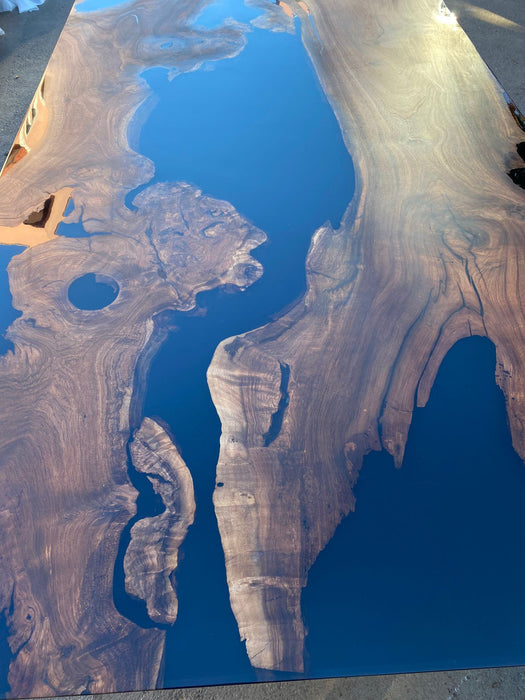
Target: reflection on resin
7,313
222,333
100,5
250,153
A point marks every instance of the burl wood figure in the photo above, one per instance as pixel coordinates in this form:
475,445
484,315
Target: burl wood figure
429,251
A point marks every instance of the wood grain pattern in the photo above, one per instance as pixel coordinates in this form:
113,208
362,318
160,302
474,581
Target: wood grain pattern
69,390
152,554
83,125
429,251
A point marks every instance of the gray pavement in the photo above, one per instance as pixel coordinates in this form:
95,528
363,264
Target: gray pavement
486,684
497,28
24,52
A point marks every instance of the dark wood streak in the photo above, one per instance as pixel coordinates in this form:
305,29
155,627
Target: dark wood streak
429,252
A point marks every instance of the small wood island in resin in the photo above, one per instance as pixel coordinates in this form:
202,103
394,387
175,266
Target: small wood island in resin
430,249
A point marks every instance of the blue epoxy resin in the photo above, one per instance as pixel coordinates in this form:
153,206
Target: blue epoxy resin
94,5
92,291
427,573
76,230
217,13
255,130
72,230
7,313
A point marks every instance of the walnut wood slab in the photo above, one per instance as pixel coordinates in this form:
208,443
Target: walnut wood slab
152,554
69,404
431,250
72,387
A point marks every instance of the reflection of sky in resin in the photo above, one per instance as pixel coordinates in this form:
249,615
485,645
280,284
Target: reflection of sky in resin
408,571
7,313
427,572
91,5
257,131
215,14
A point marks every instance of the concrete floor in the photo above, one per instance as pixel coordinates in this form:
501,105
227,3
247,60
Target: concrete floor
497,28
24,52
487,684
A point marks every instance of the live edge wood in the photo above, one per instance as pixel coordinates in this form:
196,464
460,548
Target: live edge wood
67,391
431,250
72,386
152,554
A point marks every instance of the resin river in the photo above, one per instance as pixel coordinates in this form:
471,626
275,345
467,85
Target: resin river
257,131
426,573
411,579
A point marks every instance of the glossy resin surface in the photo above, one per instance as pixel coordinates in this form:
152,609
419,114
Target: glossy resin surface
262,361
